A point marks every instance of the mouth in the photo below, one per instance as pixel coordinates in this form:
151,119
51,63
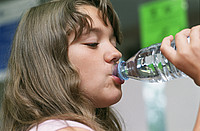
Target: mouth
117,80
115,76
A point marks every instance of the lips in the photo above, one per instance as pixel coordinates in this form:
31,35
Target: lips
117,80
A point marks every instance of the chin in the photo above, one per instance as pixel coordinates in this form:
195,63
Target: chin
110,101
115,96
117,99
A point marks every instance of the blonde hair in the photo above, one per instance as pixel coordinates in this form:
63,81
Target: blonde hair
42,84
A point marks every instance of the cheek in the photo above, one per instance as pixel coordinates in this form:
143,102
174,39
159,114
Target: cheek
74,55
84,63
102,92
90,81
80,57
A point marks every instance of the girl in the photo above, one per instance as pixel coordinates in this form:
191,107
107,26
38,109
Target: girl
60,68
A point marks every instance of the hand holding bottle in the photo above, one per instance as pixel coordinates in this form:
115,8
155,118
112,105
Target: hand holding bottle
186,57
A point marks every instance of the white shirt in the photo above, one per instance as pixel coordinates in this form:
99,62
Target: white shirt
54,125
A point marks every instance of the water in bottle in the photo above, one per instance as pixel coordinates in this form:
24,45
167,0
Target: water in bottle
148,65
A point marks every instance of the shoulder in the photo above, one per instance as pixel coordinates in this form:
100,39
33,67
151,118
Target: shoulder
61,125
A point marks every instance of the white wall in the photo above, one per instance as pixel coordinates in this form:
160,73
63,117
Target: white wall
131,107
182,97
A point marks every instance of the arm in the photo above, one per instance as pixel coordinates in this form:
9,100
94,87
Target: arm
187,56
197,125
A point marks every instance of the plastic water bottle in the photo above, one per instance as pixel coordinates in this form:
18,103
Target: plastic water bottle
148,65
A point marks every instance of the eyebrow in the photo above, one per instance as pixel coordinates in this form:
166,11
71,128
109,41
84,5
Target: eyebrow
96,30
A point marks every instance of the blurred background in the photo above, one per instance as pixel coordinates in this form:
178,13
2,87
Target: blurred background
170,106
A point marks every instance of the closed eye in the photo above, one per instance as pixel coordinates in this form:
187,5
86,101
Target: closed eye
92,45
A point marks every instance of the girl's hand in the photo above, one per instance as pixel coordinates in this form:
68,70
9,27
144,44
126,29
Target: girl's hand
186,57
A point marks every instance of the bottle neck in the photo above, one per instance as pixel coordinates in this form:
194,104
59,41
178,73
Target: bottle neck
122,71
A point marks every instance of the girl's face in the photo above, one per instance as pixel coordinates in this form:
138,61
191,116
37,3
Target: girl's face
94,55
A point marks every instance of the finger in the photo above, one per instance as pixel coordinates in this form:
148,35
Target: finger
166,49
167,41
181,39
195,36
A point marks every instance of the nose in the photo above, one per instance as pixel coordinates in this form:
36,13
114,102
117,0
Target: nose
112,55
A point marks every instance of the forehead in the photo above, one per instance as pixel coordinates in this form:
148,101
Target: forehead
94,13
96,22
